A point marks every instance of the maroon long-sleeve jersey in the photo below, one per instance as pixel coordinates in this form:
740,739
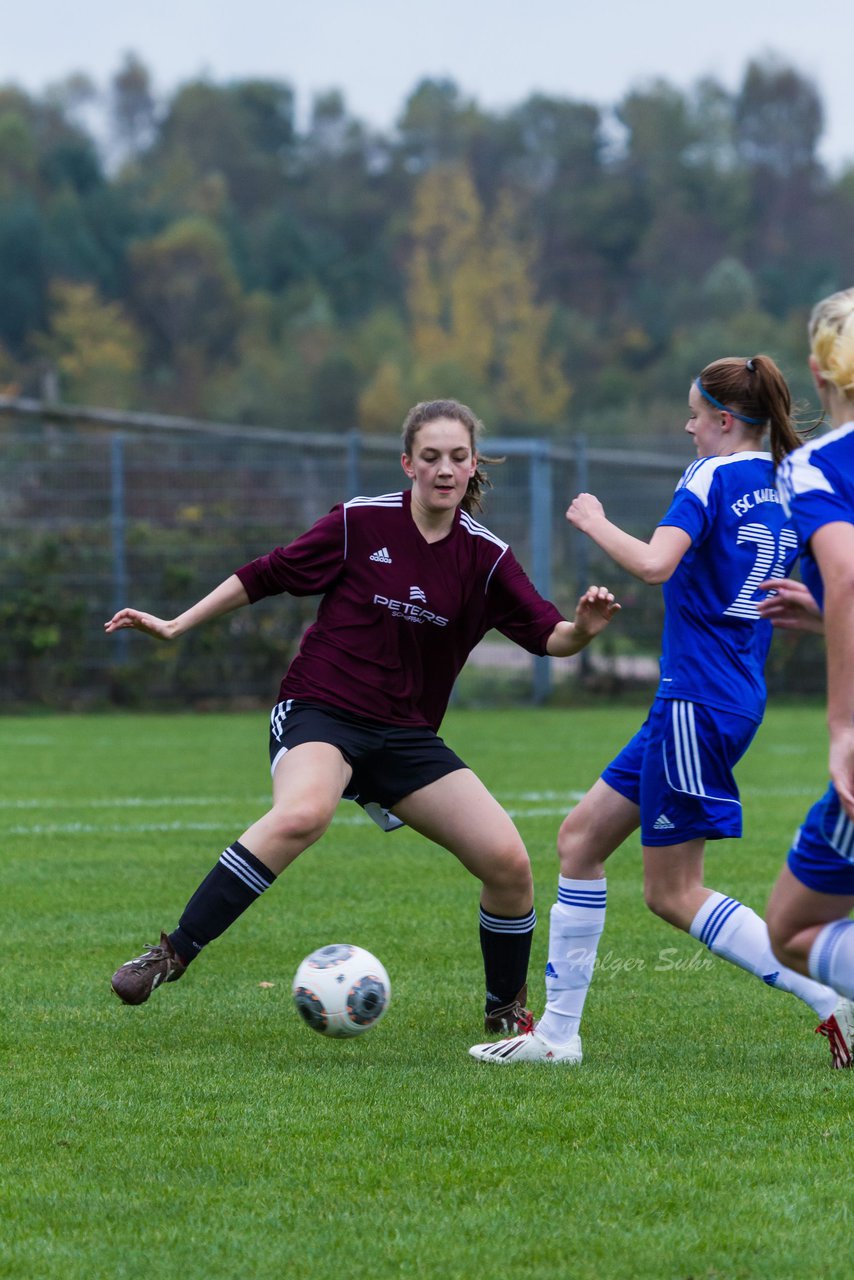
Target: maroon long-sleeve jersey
399,615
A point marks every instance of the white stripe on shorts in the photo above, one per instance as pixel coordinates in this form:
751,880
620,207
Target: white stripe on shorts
842,839
688,764
278,716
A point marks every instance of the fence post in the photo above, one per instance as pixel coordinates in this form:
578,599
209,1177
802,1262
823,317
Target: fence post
354,457
582,547
540,498
118,525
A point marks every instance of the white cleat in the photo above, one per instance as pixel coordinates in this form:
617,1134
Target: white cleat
531,1047
839,1029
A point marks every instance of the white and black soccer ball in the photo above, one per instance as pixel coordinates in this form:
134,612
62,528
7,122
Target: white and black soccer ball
341,990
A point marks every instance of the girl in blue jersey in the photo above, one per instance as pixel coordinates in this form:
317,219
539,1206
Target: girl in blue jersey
814,895
723,534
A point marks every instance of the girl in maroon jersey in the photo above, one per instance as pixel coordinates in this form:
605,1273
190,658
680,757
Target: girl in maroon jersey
410,583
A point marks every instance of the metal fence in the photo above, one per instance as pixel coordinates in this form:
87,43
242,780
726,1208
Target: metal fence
99,510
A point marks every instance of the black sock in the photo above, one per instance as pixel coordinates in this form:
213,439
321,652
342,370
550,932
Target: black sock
225,893
506,946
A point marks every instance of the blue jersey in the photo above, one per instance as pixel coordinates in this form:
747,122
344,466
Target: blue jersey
816,484
715,644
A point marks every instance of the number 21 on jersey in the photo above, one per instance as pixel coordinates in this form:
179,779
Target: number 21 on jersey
770,562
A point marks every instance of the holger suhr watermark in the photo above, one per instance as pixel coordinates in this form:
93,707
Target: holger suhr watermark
668,960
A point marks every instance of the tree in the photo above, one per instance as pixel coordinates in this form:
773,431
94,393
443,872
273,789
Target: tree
23,272
447,287
659,135
436,125
384,399
529,385
471,299
94,346
186,287
242,131
132,107
18,154
778,123
188,298
779,119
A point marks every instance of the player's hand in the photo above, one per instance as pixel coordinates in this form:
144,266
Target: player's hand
160,628
584,510
842,767
594,611
792,607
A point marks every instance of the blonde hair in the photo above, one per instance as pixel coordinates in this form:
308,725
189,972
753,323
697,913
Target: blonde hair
831,332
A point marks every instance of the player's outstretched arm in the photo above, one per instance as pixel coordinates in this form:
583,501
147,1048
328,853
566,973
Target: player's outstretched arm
792,606
594,611
652,562
229,595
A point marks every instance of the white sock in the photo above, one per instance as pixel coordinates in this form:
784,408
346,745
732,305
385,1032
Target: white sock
736,933
575,927
831,957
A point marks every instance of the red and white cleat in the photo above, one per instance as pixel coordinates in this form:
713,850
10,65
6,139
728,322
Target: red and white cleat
530,1047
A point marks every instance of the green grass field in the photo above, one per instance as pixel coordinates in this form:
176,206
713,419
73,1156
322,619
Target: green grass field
211,1134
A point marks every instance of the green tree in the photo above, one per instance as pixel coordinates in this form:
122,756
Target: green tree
23,271
187,295
94,346
186,286
132,108
779,119
436,125
18,153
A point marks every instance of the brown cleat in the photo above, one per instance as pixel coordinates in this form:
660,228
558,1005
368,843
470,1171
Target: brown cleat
136,979
511,1019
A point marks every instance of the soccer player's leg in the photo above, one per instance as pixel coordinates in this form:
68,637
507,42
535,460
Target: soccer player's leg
589,834
688,782
458,812
307,785
808,919
594,829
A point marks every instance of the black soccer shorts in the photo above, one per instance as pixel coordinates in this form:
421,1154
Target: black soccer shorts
388,761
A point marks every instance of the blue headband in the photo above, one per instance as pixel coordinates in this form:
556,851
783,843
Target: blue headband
754,422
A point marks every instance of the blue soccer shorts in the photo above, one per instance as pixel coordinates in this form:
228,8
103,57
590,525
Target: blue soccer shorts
822,854
678,769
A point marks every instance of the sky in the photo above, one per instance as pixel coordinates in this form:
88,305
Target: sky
498,53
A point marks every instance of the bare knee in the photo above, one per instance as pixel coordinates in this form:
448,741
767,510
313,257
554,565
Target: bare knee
788,954
785,942
666,902
577,849
301,823
510,877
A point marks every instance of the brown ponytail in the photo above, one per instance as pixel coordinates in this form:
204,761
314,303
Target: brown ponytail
756,392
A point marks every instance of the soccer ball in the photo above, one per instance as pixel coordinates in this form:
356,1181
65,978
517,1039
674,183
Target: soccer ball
341,990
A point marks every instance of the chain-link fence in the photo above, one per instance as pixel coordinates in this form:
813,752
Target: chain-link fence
99,510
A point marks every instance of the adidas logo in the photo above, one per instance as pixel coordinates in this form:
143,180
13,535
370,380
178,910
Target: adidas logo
663,823
382,556
551,971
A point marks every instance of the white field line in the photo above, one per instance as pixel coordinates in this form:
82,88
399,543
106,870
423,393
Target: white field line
180,802
532,806
141,828
133,802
